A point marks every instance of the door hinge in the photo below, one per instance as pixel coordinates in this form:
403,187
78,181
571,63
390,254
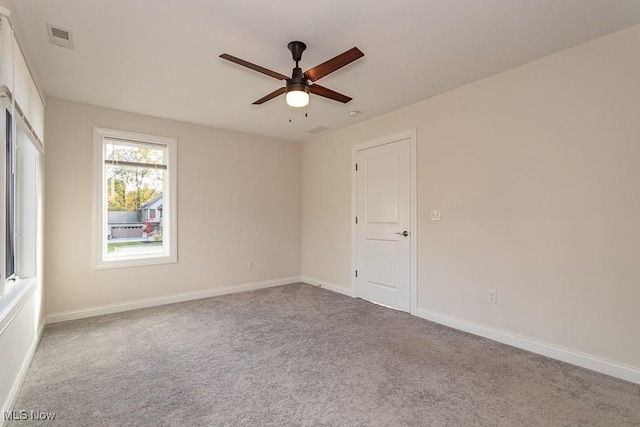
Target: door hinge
356,167
356,273
356,220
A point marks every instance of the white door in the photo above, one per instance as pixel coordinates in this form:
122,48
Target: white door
383,224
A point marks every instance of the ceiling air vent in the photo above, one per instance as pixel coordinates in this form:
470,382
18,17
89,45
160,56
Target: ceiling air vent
318,129
60,37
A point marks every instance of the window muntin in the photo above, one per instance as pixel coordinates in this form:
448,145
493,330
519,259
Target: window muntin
134,172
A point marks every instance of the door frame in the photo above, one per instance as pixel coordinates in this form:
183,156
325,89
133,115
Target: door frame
413,198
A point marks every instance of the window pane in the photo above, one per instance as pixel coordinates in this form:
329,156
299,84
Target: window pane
131,192
27,205
127,151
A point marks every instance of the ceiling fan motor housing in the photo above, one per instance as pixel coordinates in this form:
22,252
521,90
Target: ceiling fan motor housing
297,81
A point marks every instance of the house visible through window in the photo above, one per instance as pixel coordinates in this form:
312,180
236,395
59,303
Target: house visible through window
135,174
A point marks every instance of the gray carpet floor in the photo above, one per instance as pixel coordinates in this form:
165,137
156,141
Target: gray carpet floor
298,355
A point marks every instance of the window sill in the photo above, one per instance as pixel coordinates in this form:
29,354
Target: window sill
14,297
135,262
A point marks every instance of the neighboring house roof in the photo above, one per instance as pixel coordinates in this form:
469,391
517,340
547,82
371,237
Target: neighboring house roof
123,217
150,204
133,218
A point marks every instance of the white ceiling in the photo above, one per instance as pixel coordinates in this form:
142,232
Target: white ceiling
160,57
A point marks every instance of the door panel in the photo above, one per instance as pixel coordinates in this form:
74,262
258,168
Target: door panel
383,253
382,189
382,263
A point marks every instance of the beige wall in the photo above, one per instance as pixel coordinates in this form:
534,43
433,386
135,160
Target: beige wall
238,201
536,171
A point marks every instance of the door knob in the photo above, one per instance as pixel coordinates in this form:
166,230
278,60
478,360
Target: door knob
405,233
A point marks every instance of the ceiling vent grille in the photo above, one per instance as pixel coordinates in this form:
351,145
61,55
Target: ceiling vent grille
318,129
60,37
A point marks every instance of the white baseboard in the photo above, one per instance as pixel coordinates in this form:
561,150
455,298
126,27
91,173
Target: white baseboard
593,363
15,388
169,299
327,285
575,358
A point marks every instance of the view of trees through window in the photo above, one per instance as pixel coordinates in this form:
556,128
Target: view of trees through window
134,174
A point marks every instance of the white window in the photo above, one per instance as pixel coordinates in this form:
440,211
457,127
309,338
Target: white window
21,180
20,200
133,173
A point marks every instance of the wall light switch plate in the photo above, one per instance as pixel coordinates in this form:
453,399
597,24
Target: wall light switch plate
435,214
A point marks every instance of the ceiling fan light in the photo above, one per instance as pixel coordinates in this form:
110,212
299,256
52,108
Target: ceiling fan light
297,98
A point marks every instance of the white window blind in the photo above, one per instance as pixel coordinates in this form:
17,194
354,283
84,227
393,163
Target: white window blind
27,96
17,85
6,57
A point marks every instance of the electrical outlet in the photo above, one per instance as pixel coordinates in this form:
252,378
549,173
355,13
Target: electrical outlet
250,265
492,295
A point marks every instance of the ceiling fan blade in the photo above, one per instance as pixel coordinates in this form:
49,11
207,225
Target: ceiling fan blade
333,64
272,95
254,67
328,93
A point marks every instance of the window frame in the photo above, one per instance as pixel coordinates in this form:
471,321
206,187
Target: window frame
8,179
100,206
27,189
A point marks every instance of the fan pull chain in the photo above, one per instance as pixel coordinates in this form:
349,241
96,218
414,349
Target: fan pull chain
289,113
306,109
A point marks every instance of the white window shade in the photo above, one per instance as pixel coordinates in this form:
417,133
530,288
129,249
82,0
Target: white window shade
27,96
17,83
6,56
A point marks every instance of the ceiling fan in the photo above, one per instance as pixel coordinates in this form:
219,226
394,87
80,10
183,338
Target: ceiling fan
299,85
